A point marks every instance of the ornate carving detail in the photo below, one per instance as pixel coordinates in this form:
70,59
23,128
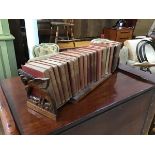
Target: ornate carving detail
37,92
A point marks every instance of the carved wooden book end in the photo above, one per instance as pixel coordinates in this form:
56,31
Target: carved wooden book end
70,76
38,97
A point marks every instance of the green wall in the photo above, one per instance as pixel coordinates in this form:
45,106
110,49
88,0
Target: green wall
8,65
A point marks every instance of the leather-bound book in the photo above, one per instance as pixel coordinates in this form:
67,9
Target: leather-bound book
76,69
80,66
71,66
52,80
86,66
73,73
112,48
104,58
98,63
39,72
94,63
116,57
103,51
63,77
90,64
57,76
107,61
66,72
76,73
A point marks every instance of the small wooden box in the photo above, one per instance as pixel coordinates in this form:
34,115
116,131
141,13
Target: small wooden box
118,34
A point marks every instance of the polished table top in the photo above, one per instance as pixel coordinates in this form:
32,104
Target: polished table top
118,87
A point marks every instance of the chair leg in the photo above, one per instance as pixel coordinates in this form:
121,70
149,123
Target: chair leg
50,40
72,36
67,33
57,34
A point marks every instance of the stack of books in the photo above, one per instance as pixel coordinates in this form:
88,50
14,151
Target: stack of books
74,71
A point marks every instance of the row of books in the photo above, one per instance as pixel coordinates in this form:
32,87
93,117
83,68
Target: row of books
73,70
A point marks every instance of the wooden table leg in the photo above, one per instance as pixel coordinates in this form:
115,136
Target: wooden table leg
57,34
72,36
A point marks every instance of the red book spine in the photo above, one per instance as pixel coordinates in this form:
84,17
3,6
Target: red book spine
33,72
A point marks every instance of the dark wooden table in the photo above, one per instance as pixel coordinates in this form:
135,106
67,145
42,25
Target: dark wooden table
123,104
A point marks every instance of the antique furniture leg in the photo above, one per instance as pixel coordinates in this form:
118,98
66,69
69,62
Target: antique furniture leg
67,33
57,34
72,35
50,40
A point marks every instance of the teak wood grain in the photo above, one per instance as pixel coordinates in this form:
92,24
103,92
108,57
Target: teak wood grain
115,92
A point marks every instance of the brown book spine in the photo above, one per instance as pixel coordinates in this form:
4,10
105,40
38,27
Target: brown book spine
81,68
104,56
111,58
62,74
56,72
80,65
116,57
71,61
49,72
67,74
76,67
32,69
57,77
93,59
88,64
98,58
85,66
107,61
99,64
63,78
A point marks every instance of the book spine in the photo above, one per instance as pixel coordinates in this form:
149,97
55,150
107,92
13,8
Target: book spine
104,57
55,69
70,63
49,72
85,64
116,57
33,72
107,61
111,58
67,74
56,73
55,88
51,90
68,81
